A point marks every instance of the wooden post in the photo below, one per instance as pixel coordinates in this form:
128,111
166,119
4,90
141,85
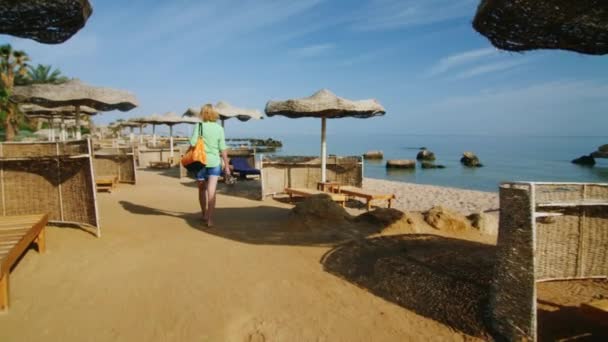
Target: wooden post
78,134
171,144
154,135
323,150
4,292
41,241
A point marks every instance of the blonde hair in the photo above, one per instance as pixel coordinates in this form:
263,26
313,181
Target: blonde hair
208,113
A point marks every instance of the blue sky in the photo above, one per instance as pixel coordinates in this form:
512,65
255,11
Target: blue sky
421,59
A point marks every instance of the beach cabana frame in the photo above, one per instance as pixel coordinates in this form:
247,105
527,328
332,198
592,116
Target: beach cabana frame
49,177
547,231
116,162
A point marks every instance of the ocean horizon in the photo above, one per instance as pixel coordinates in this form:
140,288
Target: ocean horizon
505,158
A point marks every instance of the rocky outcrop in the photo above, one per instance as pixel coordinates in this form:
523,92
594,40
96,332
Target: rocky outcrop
425,155
431,165
469,159
373,155
603,148
485,223
446,220
401,164
319,209
584,160
389,220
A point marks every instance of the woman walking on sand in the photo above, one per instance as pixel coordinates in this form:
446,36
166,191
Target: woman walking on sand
215,148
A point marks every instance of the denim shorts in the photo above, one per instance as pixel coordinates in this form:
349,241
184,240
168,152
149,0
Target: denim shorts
207,172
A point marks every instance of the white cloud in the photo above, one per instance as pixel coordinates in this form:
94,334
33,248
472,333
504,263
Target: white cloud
393,14
459,59
312,50
489,68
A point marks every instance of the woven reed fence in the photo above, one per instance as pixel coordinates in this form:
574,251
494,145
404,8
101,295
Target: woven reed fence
548,231
116,162
279,173
49,177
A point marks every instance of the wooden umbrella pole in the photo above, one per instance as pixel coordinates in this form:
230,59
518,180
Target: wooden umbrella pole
51,132
141,134
323,150
153,135
131,134
223,120
62,128
171,142
78,134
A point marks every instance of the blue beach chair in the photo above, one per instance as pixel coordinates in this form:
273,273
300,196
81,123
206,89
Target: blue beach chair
242,168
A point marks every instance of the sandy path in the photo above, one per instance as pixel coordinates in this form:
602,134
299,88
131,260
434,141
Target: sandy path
154,276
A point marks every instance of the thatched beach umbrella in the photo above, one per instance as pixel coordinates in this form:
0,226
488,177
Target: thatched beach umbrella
141,123
35,111
521,25
131,125
171,119
149,120
77,94
325,105
46,21
228,111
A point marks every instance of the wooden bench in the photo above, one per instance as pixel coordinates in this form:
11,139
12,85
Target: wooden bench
369,196
160,165
106,183
303,192
16,234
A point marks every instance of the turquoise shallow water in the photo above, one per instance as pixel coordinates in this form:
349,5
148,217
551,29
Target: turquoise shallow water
506,158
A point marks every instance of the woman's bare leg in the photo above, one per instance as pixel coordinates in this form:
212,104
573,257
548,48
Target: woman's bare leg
211,187
202,198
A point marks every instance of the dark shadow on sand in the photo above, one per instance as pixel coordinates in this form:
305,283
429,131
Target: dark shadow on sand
441,278
261,225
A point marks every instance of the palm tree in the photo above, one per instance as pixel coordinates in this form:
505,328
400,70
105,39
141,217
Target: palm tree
42,74
13,63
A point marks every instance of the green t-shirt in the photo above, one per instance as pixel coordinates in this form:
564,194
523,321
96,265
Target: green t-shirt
213,135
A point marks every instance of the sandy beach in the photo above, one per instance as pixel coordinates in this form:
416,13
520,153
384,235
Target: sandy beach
157,275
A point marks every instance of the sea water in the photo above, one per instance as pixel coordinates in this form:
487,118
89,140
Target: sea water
505,158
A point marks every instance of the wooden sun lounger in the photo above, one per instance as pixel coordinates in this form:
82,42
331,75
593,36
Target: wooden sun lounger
106,183
160,165
369,196
597,310
16,234
303,192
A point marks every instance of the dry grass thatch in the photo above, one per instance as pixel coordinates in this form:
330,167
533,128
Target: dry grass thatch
75,93
521,25
39,111
46,21
324,104
228,111
169,119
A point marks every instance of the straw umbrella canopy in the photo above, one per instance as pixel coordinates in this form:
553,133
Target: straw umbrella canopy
46,21
325,105
35,111
77,94
521,25
227,111
171,119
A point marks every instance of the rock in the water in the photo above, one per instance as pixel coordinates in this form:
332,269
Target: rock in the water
470,159
584,160
320,209
426,155
603,148
373,155
401,164
446,220
485,223
431,165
